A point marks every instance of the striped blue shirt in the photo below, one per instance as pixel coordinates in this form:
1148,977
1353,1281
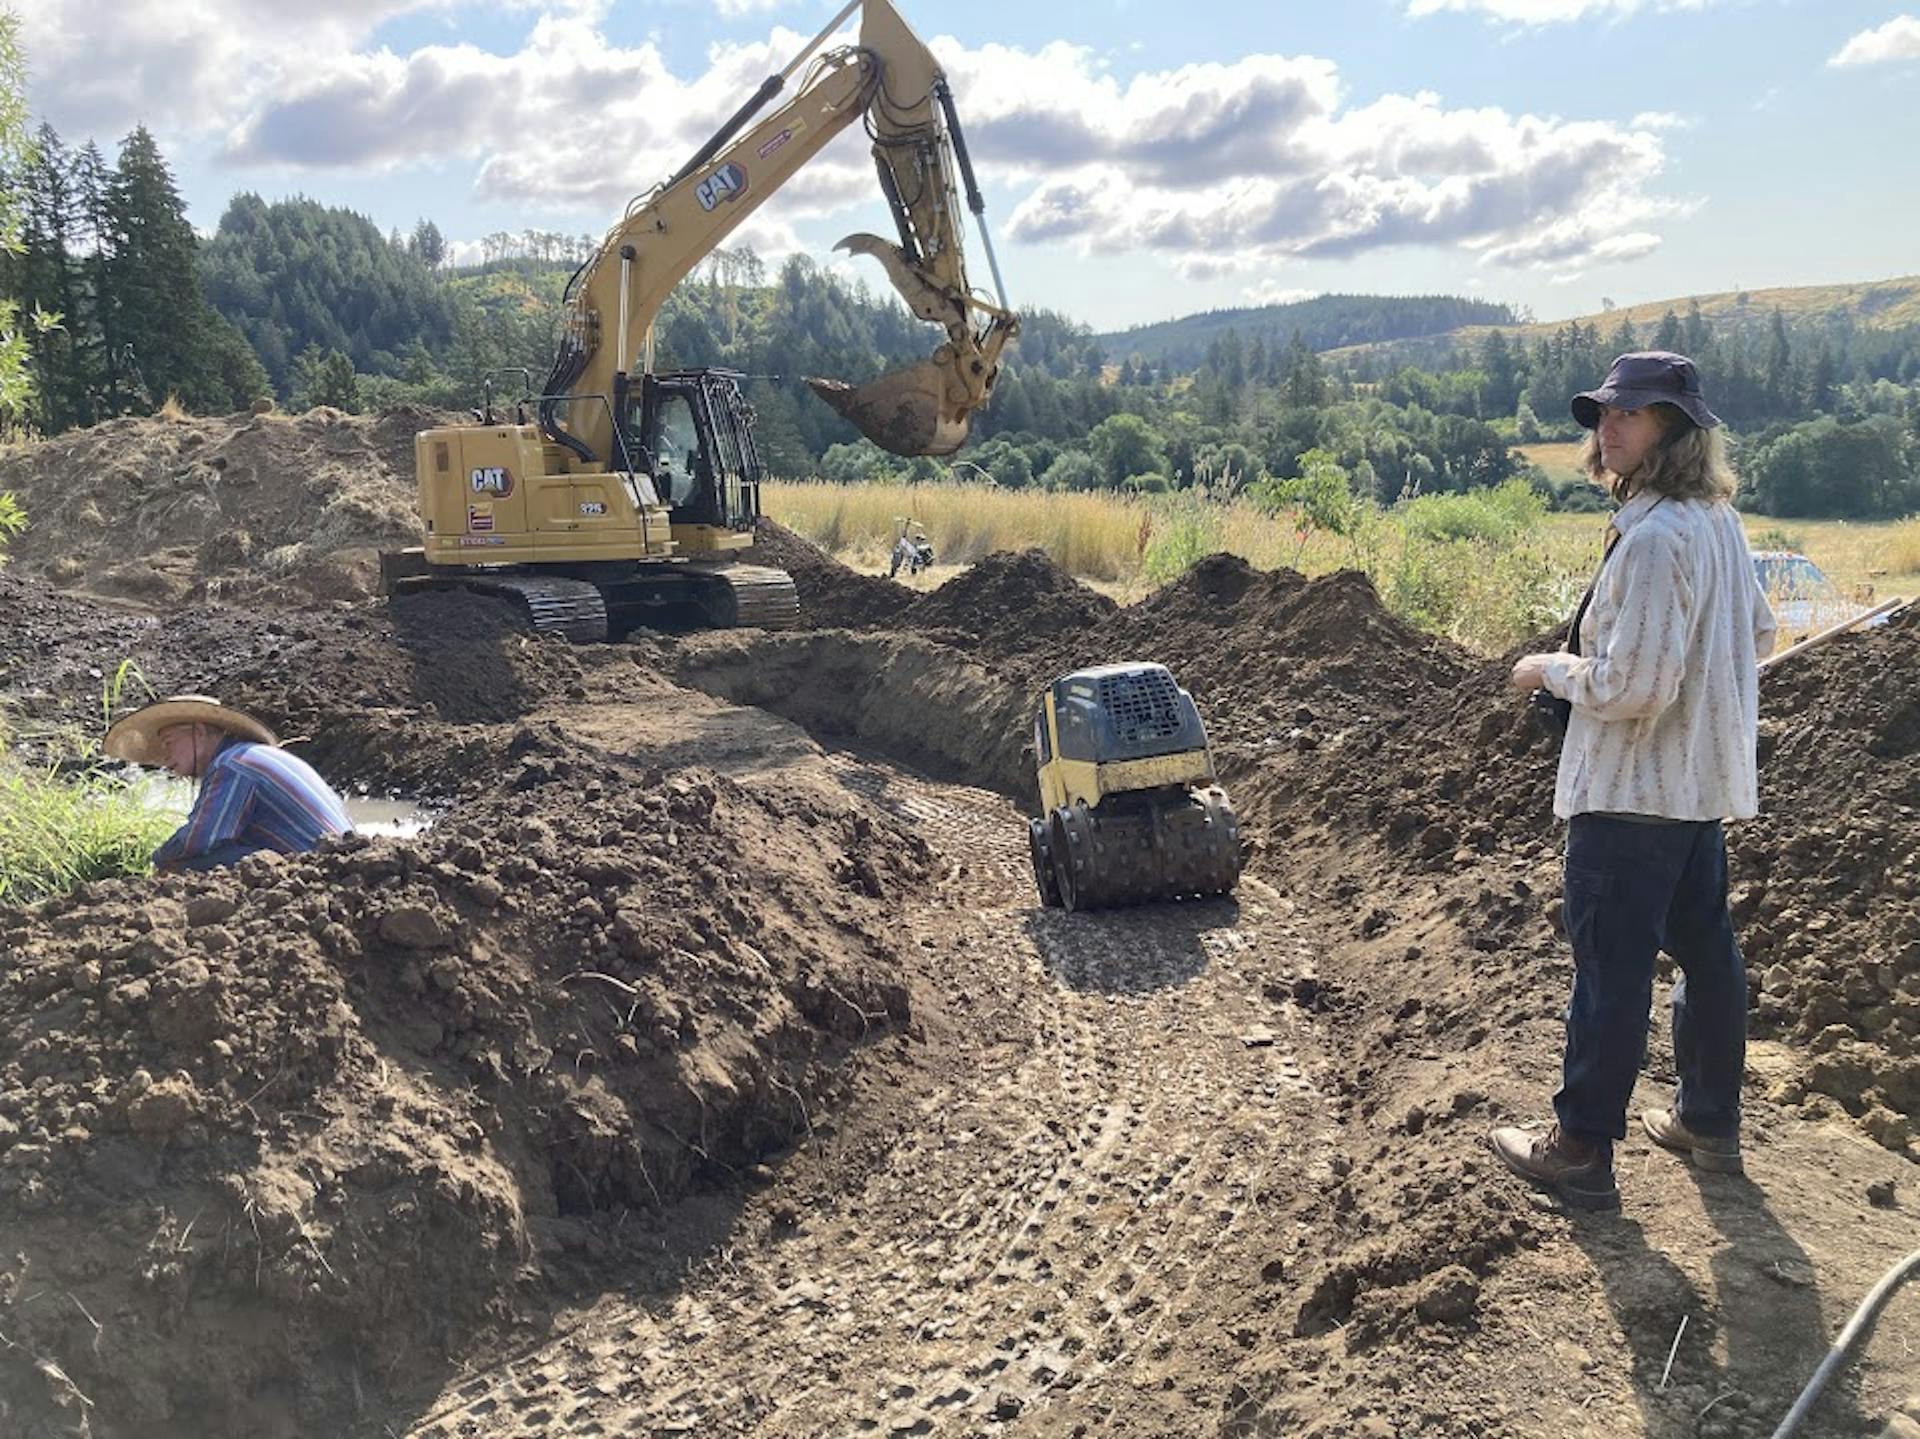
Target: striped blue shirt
253,797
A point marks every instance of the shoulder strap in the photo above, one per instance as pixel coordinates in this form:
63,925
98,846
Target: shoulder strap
1606,553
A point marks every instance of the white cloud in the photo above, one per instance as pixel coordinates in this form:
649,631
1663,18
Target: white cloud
1898,39
1325,182
1271,292
1660,120
1549,12
1219,169
100,70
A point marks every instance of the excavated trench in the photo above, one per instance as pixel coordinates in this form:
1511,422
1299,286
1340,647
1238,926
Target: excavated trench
846,1136
909,698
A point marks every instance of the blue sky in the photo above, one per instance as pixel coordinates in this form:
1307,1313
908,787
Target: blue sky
1140,160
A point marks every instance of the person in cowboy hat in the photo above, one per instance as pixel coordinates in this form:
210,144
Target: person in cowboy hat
253,795
1662,683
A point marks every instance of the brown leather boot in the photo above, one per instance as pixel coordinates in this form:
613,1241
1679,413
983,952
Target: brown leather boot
1718,1154
1578,1171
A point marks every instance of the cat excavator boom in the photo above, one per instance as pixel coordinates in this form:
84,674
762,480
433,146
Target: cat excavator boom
621,494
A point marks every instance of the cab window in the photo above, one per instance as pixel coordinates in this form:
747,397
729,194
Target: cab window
1042,751
676,436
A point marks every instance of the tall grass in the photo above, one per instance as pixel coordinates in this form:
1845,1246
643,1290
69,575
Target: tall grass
1488,569
56,833
1478,568
1095,536
58,830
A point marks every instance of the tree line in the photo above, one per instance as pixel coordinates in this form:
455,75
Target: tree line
315,305
106,271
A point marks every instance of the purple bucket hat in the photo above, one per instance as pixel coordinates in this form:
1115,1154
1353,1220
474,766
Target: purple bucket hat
1645,378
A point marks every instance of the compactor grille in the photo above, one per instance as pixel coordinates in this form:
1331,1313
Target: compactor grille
1143,706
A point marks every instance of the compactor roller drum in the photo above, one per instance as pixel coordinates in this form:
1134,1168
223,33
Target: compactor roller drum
1130,808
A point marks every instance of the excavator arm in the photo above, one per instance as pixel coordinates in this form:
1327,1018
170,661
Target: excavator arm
892,82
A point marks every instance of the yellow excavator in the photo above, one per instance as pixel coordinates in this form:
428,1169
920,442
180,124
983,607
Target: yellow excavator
619,495
1131,809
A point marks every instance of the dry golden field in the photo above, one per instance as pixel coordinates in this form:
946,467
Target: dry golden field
1486,594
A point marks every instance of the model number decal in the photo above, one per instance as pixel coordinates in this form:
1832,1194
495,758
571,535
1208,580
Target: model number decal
492,480
593,507
723,184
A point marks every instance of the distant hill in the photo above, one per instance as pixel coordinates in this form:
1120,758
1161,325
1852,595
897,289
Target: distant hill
1874,305
1326,322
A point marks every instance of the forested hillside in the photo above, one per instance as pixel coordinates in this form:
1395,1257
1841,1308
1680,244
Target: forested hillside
106,269
1325,322
297,274
312,304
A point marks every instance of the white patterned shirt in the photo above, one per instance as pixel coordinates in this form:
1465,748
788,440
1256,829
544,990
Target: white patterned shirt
1665,691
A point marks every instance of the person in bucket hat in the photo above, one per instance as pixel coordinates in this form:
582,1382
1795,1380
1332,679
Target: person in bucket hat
252,796
1662,691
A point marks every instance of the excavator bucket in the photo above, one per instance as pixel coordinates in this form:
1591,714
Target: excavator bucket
905,412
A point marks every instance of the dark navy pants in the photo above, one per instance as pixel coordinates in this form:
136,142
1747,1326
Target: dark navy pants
1633,889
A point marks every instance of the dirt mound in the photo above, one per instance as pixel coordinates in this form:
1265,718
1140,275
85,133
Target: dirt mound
1010,603
231,508
1262,650
1828,877
281,1137
409,696
832,596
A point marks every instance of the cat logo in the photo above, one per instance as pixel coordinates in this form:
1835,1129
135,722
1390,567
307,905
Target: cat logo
726,183
492,480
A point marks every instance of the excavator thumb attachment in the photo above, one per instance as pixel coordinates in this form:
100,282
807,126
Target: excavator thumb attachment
906,412
923,409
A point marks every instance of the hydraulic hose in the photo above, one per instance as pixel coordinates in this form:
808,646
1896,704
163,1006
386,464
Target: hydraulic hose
1850,1337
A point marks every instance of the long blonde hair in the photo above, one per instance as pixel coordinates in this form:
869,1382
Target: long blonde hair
1689,463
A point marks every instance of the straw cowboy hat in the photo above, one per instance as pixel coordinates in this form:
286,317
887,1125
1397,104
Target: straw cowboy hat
137,737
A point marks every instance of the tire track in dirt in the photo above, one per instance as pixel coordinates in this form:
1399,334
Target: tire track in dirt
1045,1230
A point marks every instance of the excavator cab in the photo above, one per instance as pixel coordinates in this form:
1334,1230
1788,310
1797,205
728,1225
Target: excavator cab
692,430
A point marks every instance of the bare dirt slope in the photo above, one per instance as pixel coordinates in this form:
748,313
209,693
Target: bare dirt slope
232,508
709,1071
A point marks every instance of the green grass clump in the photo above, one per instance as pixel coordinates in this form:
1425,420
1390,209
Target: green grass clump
56,833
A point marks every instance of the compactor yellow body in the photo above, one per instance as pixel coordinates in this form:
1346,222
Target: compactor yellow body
1130,805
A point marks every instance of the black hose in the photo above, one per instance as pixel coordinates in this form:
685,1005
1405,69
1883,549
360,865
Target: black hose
566,369
1851,1336
769,87
975,201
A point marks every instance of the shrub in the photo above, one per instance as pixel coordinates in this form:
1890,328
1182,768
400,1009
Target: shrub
13,519
1504,513
1184,533
1775,538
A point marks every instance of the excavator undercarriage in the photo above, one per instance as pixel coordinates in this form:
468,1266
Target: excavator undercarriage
612,602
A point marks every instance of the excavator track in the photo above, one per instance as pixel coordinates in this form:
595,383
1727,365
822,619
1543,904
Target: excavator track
1168,848
554,605
738,596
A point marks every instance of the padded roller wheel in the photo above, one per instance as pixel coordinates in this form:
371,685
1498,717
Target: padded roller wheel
1044,879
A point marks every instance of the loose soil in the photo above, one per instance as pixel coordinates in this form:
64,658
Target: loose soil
710,1068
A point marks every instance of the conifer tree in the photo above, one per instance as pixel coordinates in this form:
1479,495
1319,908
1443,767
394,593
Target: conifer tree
16,385
150,272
